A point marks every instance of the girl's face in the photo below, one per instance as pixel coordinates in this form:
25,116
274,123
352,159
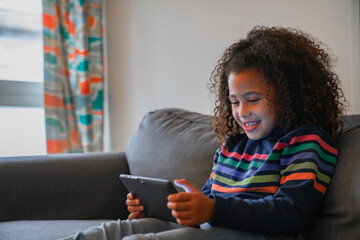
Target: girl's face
253,106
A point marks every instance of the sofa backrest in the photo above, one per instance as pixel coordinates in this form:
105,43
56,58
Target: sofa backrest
62,186
173,144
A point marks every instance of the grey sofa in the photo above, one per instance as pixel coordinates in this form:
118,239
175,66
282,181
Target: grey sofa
53,196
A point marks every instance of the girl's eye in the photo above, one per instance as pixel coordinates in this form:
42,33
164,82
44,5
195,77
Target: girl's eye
253,100
234,102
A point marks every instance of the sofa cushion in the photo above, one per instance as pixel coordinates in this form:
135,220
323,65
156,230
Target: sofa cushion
339,215
36,230
173,144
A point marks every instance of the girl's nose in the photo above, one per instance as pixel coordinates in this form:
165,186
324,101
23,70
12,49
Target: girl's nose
243,111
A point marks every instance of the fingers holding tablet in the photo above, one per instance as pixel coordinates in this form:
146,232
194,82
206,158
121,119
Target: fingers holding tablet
134,207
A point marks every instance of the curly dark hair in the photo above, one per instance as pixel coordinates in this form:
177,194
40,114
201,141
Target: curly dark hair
307,89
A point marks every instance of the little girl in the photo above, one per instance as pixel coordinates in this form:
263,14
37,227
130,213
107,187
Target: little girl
277,116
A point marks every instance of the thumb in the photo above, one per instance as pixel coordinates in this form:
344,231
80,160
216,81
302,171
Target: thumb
188,187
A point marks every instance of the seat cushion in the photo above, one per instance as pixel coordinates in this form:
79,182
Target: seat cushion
173,144
35,230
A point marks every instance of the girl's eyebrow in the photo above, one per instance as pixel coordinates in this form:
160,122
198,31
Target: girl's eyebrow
247,94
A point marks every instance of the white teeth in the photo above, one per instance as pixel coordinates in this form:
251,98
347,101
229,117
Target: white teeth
250,124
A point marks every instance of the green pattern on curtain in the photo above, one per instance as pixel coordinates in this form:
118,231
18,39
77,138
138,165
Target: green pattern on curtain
73,75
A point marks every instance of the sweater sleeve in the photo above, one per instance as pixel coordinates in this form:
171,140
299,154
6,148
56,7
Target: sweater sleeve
206,189
307,163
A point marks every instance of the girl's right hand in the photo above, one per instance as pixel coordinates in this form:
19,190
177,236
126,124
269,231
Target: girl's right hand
134,207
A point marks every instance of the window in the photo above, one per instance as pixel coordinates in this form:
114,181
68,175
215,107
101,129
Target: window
22,128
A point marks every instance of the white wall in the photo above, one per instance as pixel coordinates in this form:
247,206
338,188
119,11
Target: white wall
160,53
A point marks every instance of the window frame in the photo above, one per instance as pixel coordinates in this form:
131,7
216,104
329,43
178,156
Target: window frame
21,93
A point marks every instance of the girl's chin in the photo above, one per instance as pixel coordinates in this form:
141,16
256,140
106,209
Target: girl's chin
255,134
252,137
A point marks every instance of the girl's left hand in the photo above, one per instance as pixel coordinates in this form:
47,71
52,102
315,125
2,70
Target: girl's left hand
192,207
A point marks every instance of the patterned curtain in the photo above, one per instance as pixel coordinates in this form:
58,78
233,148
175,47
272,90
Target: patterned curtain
73,75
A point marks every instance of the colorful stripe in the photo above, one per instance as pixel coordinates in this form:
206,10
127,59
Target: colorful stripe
304,176
244,165
244,156
308,166
247,181
271,189
307,147
316,138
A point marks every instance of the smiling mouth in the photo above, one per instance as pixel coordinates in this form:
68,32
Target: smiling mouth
250,126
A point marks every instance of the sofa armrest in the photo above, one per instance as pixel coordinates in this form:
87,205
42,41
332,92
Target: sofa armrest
66,186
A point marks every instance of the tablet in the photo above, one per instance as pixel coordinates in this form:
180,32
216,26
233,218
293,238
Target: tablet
153,193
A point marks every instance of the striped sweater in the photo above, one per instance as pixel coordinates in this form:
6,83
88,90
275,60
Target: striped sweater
274,184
